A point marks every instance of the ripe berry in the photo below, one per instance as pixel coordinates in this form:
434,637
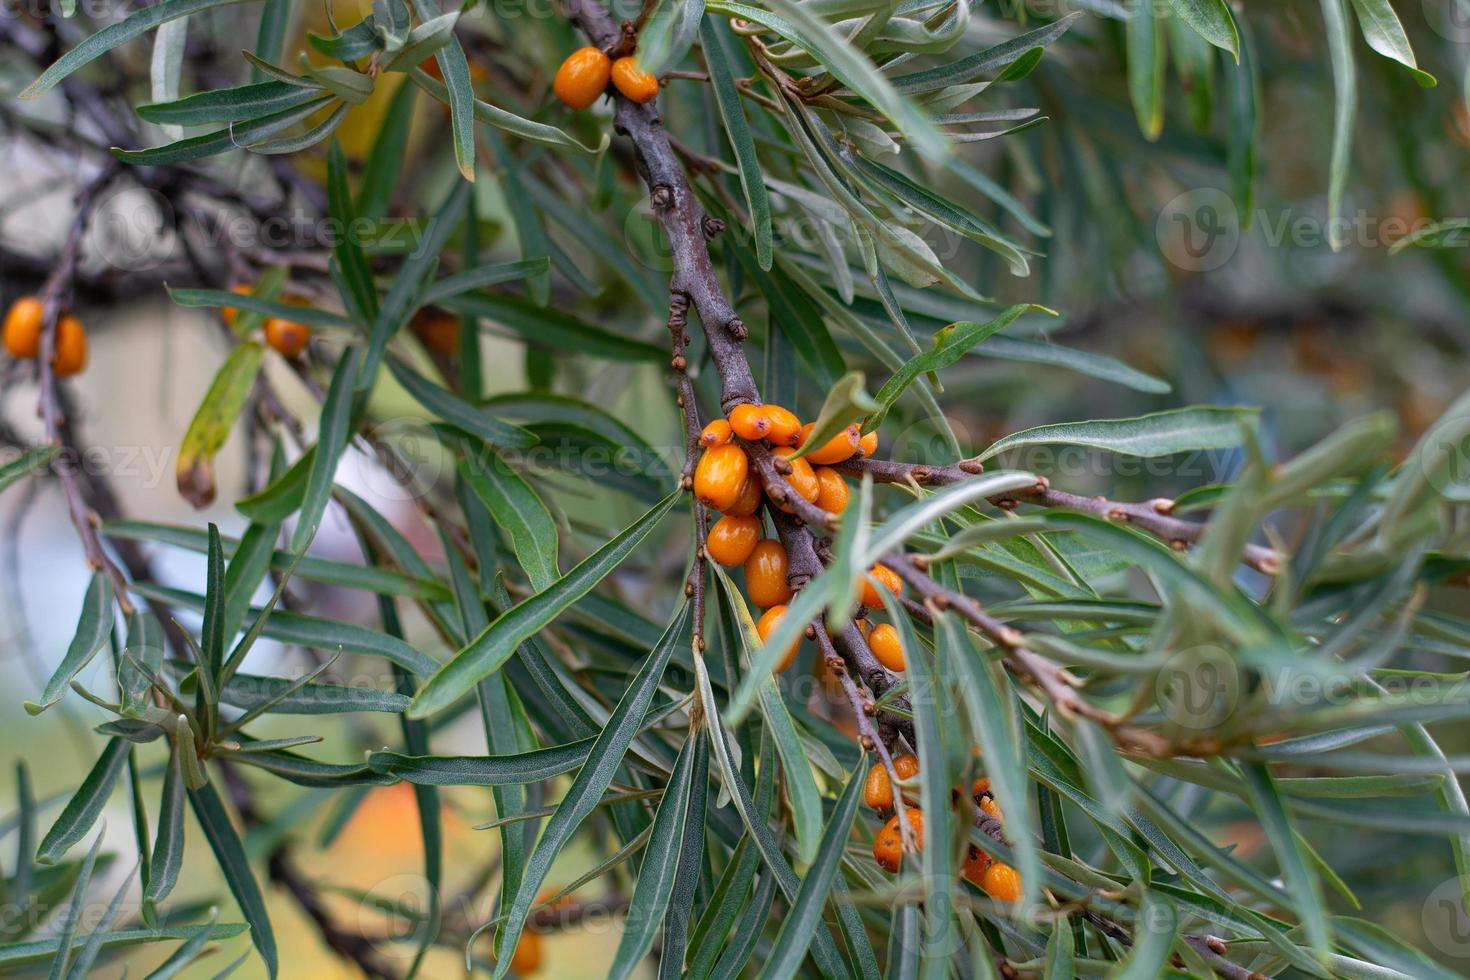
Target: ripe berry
977,862
287,336
749,500
878,790
785,427
438,329
991,807
749,422
868,444
720,476
527,957
834,450
229,313
633,81
888,845
766,625
732,539
871,597
765,575
831,490
23,327
1002,882
582,77
886,646
803,478
71,347
717,433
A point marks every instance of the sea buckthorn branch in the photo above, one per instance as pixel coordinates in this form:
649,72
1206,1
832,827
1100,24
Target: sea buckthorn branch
1057,683
689,408
683,220
773,470
54,408
1153,516
869,738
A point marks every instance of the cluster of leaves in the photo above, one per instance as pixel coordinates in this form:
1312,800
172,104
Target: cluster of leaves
809,112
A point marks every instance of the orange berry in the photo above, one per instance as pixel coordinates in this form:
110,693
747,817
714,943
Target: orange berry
977,862
749,500
878,790
23,323
1002,882
803,478
888,845
717,433
71,347
732,539
720,476
992,808
765,574
633,81
886,646
831,490
785,427
749,422
834,450
287,336
767,624
582,77
527,957
229,313
871,597
438,329
868,444
980,786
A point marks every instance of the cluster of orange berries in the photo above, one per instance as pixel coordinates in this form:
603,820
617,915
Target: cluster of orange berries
726,480
23,322
998,880
585,75
287,337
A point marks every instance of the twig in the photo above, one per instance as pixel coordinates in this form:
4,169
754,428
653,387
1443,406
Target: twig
1152,516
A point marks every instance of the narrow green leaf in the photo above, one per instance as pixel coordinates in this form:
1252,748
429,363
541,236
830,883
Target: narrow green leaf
1178,430
715,46
449,407
1345,78
168,846
214,820
135,24
488,651
805,916
518,510
1212,21
655,882
86,804
591,783
1385,34
1146,53
94,626
479,770
847,402
332,435
26,463
1152,940
950,344
1296,871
